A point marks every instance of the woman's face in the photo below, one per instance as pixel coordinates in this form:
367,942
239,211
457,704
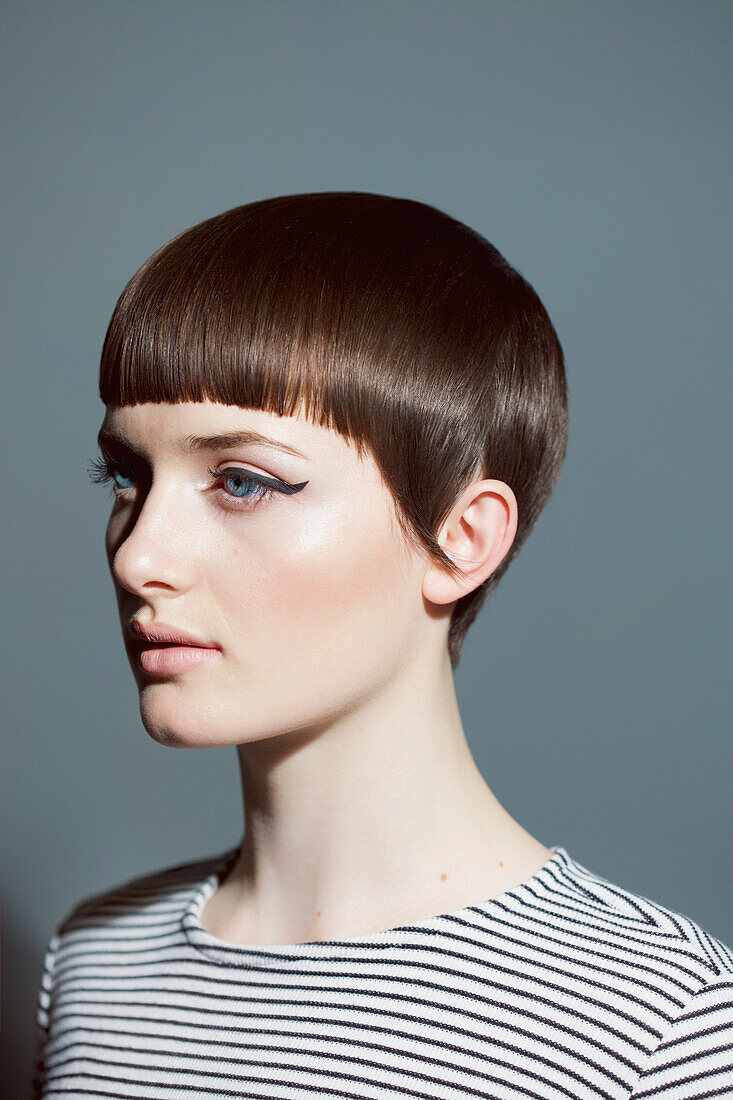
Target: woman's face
312,597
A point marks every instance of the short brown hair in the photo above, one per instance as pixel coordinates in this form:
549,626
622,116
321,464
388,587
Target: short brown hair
385,319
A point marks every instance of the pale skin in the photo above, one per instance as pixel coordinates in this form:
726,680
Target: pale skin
363,806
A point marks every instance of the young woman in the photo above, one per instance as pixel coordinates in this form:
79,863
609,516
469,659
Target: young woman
332,420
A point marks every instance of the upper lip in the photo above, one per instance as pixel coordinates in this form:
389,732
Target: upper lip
162,632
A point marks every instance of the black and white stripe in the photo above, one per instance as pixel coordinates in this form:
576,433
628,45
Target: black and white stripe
566,987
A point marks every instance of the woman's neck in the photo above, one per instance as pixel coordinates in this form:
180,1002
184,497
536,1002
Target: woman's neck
380,819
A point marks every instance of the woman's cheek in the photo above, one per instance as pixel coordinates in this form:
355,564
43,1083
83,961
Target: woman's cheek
322,570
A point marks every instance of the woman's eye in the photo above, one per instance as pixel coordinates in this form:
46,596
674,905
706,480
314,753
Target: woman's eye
236,484
104,469
243,485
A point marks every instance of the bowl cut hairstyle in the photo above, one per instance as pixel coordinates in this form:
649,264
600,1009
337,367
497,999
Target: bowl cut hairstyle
382,318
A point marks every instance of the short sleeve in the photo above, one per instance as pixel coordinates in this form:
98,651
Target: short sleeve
695,1057
43,1013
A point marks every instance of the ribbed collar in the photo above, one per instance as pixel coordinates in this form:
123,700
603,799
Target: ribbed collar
236,954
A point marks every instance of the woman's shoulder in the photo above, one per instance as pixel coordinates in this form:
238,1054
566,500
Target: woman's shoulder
597,914
162,889
653,968
144,907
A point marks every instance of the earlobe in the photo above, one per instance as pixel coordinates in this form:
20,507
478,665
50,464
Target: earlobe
476,537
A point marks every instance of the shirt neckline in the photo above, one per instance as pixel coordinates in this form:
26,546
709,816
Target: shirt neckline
226,953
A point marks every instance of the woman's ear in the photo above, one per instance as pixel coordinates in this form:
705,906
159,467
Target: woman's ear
477,536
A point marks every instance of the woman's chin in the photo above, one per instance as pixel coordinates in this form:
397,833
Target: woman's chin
171,725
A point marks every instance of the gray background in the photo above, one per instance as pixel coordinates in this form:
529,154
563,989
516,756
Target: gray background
590,142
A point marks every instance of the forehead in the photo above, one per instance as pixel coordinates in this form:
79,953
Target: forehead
193,427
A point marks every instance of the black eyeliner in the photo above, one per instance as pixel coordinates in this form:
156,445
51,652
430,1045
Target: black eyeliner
259,479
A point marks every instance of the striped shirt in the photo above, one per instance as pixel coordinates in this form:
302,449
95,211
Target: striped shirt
565,986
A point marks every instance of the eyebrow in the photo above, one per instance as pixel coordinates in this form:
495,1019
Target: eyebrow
203,444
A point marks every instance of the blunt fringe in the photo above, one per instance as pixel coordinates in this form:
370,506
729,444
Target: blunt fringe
380,317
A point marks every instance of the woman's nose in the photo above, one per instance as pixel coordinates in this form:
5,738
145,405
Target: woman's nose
154,545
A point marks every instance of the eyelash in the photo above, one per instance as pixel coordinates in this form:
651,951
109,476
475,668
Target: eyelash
103,469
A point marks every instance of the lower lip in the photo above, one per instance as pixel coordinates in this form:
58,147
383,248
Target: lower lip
169,659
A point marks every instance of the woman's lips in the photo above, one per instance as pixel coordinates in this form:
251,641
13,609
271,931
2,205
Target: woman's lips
164,659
